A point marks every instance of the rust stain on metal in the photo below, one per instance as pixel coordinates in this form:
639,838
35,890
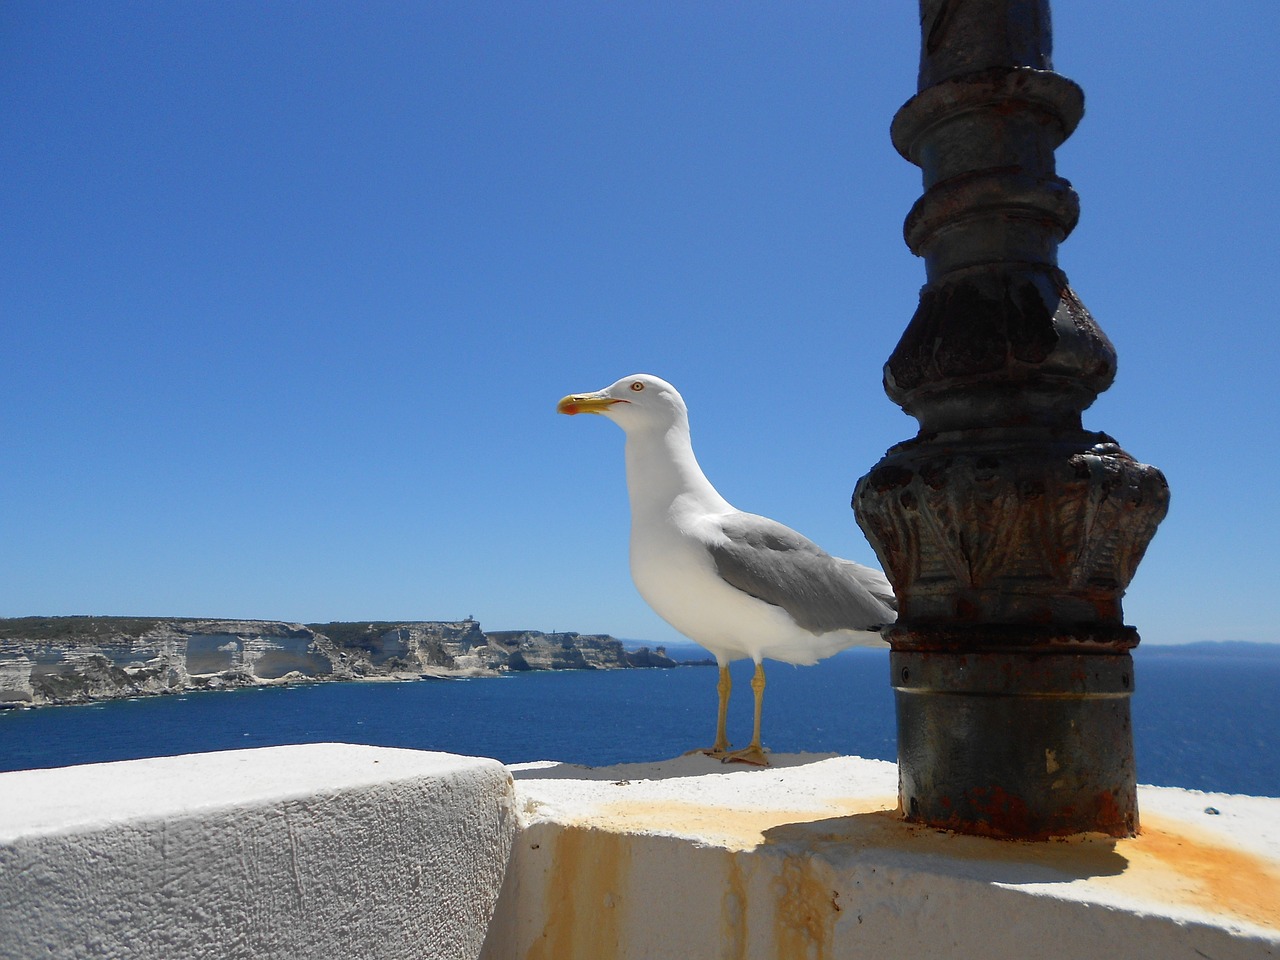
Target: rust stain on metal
1110,813
1003,814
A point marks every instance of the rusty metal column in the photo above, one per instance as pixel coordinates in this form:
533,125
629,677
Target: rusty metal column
1010,533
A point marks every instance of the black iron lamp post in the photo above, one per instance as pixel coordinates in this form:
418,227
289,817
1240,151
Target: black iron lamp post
1010,532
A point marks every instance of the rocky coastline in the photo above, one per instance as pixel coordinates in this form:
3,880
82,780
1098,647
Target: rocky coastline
61,660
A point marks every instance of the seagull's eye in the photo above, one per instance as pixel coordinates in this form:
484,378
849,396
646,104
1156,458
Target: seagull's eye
637,386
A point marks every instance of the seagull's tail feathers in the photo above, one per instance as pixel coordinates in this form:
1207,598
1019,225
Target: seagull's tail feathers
876,584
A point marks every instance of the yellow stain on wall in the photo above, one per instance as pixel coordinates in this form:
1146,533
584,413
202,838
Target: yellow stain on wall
585,897
807,907
733,910
733,828
1175,860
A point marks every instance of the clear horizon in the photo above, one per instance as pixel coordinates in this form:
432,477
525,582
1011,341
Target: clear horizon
291,293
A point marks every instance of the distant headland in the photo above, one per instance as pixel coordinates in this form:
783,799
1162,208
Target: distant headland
60,660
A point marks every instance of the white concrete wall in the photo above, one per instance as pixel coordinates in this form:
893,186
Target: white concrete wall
691,858
316,851
331,850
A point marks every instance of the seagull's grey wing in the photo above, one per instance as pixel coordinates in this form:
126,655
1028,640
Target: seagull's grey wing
775,564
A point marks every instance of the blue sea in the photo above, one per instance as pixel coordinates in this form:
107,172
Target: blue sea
1202,718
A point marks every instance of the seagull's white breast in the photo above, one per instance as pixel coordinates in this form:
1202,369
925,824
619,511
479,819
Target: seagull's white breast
675,515
677,577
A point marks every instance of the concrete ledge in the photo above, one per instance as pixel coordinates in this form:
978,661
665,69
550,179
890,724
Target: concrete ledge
321,850
332,850
691,858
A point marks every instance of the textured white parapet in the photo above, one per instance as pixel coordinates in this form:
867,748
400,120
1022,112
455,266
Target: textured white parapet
316,851
808,859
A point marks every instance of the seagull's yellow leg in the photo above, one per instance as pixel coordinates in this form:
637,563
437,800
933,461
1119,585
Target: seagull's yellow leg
754,753
723,688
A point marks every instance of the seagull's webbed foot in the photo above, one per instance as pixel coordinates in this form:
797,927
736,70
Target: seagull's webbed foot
720,753
755,755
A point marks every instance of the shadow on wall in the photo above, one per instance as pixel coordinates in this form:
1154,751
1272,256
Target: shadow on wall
922,848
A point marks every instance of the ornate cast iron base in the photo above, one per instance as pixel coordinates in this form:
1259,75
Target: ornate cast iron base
1010,660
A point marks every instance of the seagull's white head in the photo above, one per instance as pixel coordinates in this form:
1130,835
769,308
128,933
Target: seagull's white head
637,402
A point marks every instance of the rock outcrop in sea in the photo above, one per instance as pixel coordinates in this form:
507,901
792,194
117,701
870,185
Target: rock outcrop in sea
53,660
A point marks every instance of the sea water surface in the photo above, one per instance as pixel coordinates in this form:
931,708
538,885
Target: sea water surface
1201,720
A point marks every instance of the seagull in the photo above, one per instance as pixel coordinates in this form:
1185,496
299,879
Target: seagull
738,584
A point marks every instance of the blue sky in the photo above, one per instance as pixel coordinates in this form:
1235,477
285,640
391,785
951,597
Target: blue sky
290,291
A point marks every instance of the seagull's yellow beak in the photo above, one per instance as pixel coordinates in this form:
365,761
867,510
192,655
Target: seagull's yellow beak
587,403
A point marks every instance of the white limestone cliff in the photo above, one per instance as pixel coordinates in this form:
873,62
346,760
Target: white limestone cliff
82,659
